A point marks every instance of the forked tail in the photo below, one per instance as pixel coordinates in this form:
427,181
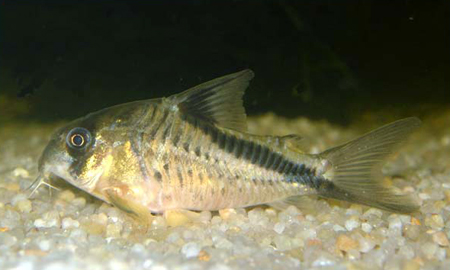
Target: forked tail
355,173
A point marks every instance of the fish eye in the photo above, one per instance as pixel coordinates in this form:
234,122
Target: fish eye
78,138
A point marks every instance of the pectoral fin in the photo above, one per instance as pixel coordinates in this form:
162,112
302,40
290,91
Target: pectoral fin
138,211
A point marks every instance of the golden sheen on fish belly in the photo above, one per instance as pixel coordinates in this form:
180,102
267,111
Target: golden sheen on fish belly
192,151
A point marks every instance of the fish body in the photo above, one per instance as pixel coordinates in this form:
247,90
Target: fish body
192,151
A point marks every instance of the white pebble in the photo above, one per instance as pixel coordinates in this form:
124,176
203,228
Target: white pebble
441,254
7,240
338,228
190,250
40,223
424,196
48,220
429,249
307,234
115,264
45,244
366,244
24,265
79,234
18,198
373,212
223,243
159,222
282,242
220,266
352,223
279,227
406,251
366,227
394,222
68,223
353,254
21,172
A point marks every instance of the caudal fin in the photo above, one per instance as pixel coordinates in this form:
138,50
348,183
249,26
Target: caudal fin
355,173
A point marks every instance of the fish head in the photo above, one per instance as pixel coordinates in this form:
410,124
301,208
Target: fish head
77,153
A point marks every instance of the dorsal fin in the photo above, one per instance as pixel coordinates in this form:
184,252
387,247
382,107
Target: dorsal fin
218,101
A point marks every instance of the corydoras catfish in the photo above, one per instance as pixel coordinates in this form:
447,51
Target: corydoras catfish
192,151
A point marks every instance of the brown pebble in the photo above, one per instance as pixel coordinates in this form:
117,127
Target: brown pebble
314,242
415,221
203,256
346,243
411,265
35,252
418,260
441,239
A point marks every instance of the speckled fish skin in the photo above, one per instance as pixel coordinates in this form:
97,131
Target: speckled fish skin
192,151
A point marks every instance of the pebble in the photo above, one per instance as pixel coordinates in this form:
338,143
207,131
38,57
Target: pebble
159,222
411,265
50,219
407,252
204,217
434,221
345,243
395,223
366,244
79,202
68,223
190,250
374,212
18,198
429,249
227,213
113,230
338,228
203,256
279,227
412,232
352,223
366,227
21,172
441,239
66,195
7,240
282,242
24,206
353,254
45,244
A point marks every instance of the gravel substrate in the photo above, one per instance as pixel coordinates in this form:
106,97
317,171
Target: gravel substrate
71,230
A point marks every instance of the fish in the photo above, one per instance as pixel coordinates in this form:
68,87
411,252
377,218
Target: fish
192,151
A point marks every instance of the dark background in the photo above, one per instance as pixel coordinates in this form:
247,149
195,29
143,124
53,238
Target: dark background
334,60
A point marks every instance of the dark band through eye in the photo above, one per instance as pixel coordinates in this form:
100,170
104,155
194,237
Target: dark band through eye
78,138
